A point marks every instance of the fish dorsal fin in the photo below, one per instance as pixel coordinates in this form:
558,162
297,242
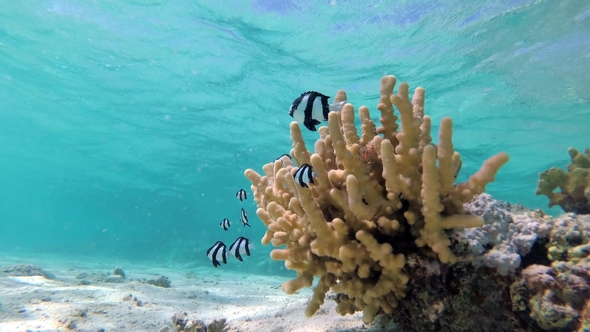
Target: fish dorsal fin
319,94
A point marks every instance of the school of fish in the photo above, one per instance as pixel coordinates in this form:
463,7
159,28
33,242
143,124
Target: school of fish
309,109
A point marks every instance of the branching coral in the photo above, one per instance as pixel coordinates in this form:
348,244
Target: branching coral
574,185
375,199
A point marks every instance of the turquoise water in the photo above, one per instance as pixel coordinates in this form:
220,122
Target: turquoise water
125,126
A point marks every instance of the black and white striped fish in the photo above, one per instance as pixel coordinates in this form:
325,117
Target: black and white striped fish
225,224
304,175
239,247
244,218
241,195
312,107
285,155
217,254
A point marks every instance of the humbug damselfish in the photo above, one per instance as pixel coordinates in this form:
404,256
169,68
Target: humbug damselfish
312,107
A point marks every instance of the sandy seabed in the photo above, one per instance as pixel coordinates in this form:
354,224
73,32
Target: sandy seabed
86,296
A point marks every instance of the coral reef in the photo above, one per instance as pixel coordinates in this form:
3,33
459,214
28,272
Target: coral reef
508,234
556,295
379,202
574,184
441,297
455,298
548,289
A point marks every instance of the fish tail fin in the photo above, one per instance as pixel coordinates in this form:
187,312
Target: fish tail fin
458,169
337,107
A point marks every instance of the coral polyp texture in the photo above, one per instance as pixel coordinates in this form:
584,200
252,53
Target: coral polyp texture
375,199
573,184
555,294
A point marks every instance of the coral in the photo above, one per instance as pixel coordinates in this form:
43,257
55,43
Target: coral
570,239
183,323
508,234
447,298
574,185
552,289
543,286
218,326
556,297
376,199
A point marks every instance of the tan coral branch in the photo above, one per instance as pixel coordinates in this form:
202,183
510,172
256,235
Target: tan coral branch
368,194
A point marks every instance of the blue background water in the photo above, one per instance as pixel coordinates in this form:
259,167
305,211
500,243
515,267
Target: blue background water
125,126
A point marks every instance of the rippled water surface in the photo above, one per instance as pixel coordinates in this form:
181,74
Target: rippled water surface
125,126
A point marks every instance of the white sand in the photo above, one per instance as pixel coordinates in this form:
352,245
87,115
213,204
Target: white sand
248,302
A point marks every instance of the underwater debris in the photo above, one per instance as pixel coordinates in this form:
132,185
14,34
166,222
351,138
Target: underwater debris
119,272
70,324
138,302
82,313
90,278
182,323
162,281
25,271
135,300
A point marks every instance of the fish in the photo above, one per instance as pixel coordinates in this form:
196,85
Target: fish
458,169
241,195
217,253
244,218
225,224
312,107
304,175
239,247
285,155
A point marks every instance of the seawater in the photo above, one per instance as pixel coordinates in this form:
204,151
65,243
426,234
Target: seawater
125,126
